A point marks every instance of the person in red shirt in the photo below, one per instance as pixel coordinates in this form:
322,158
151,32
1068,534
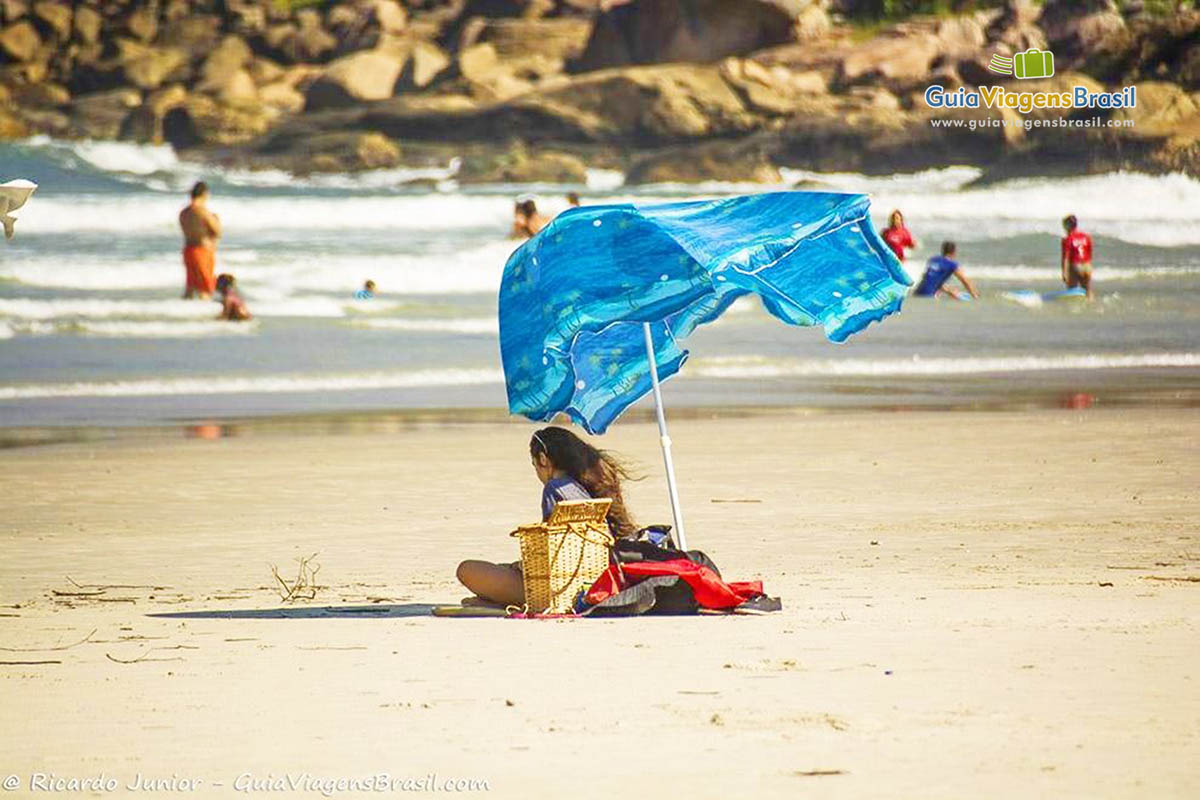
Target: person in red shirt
897,236
1076,259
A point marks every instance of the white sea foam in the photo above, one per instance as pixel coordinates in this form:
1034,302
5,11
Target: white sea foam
242,216
31,309
97,308
165,330
265,384
469,325
1146,209
1022,273
757,367
159,168
945,179
605,180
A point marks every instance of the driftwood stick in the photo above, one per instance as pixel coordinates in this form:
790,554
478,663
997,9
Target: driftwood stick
43,649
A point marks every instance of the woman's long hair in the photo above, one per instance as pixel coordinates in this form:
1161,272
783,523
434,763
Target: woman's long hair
596,470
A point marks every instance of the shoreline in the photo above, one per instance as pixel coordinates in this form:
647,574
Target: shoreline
377,421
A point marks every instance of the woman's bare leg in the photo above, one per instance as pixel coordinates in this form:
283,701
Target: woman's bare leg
499,583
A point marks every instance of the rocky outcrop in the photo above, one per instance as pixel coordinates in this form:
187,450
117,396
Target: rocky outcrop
661,31
532,90
1077,28
519,165
362,77
1149,48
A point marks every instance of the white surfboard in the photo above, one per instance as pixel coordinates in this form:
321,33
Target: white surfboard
1032,299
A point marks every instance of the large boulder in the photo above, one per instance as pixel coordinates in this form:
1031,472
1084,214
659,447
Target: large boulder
230,56
486,77
424,61
358,78
658,31
88,24
1077,28
631,107
12,10
281,95
519,165
365,24
56,17
204,120
20,41
1151,48
1162,109
148,67
561,38
145,123
331,151
738,161
895,58
101,115
308,41
773,90
142,23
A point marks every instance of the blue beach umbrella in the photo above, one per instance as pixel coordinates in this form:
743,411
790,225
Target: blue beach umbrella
593,308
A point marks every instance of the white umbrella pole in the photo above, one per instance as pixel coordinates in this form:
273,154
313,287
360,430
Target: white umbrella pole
676,511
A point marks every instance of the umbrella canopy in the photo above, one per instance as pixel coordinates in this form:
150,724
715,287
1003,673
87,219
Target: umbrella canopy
13,195
574,299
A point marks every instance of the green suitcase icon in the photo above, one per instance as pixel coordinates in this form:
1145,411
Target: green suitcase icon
1034,64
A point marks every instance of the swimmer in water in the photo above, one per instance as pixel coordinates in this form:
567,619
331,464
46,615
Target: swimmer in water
233,308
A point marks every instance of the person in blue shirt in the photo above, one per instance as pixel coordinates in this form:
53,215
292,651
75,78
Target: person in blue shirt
938,270
569,469
367,292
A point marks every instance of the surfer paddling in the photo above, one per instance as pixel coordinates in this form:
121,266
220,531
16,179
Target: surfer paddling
938,270
201,229
1076,260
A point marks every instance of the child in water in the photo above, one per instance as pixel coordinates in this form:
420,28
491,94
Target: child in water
233,308
367,292
569,469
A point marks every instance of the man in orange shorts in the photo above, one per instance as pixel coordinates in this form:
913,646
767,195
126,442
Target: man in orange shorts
201,229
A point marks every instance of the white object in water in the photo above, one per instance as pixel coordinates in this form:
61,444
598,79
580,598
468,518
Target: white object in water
1033,299
13,195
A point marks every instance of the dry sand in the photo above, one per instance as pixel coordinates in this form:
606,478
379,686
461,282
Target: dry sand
987,604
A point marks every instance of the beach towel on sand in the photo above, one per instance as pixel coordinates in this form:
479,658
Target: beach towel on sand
655,580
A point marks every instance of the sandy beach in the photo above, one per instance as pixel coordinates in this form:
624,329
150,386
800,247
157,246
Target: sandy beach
975,604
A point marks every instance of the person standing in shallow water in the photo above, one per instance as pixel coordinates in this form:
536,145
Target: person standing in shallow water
897,236
201,229
1076,260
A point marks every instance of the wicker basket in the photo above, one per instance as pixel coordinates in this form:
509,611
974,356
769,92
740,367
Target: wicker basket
564,555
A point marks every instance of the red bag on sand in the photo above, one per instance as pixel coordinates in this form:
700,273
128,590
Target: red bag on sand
706,586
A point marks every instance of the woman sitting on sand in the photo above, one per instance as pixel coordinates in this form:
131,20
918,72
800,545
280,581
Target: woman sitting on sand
569,469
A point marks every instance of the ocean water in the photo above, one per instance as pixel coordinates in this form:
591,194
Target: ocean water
92,330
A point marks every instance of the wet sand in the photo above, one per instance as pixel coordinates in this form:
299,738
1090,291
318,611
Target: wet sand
975,604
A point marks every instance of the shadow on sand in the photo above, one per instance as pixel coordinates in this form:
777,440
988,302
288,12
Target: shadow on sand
315,612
